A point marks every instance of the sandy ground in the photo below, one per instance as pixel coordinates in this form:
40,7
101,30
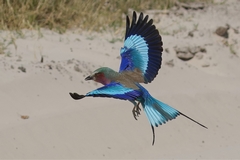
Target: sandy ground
39,119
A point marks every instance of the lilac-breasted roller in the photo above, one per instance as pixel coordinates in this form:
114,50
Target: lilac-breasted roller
141,58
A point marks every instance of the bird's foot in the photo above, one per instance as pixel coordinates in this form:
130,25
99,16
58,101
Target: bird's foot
136,111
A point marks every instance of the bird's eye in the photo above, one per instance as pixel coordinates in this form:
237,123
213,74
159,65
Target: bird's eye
97,74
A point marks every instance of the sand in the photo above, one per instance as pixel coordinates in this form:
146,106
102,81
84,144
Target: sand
39,119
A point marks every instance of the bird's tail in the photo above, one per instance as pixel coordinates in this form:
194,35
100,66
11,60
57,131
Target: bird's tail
158,112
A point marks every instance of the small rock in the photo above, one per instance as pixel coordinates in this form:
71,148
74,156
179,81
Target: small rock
23,69
183,53
199,56
223,31
203,50
41,59
190,34
24,116
205,64
187,53
181,49
76,68
70,61
235,31
167,50
185,56
49,66
170,63
194,50
59,67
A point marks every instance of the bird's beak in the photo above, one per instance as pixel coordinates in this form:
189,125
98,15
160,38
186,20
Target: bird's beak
88,78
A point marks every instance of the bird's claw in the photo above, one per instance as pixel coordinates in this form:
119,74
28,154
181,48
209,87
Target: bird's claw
136,111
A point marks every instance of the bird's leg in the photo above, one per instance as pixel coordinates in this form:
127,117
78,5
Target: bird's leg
136,110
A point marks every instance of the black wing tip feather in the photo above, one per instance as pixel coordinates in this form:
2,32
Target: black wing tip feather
76,96
144,27
127,26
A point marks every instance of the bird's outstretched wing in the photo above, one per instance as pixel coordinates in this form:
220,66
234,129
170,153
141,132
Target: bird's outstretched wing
142,49
112,90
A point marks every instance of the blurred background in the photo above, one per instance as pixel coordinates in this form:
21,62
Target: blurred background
48,47
87,15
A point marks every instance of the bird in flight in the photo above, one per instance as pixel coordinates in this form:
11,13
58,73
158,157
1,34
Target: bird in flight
141,58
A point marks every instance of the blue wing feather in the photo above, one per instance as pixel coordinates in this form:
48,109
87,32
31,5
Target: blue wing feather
142,47
115,90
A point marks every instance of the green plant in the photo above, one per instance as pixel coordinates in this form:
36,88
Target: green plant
2,48
59,15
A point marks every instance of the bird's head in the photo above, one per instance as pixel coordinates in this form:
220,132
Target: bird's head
101,75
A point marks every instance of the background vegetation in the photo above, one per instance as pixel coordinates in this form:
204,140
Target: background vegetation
91,15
